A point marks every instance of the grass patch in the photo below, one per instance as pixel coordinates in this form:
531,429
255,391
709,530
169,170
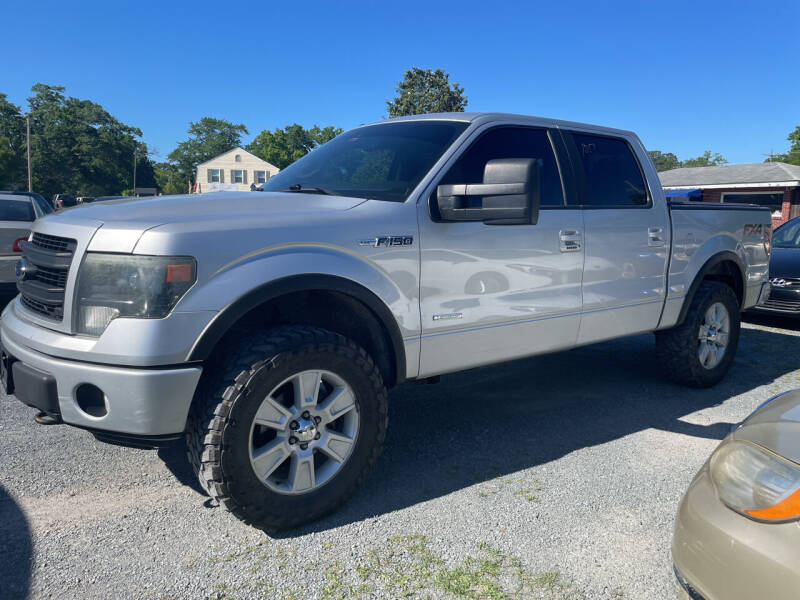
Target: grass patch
407,567
521,487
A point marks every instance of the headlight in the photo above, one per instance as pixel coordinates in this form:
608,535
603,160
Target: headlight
121,285
756,482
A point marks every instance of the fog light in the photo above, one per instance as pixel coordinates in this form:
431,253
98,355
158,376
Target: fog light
91,400
93,320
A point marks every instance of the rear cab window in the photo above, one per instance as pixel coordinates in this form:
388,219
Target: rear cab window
608,173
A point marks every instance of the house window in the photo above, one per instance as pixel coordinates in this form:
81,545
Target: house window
260,176
214,176
237,158
772,200
238,176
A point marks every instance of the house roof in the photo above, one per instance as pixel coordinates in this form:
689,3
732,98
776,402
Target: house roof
239,150
771,172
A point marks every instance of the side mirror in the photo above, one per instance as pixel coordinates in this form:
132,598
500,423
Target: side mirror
509,195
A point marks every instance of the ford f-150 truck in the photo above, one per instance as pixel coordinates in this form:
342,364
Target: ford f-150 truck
266,326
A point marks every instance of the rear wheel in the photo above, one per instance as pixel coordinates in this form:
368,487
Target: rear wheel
699,352
290,427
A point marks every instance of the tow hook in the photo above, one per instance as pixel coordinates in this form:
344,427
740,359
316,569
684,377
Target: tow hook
42,418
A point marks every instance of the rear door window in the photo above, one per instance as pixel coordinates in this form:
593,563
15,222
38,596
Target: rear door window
16,210
610,172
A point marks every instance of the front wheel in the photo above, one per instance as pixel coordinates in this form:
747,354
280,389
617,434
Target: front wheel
290,427
699,352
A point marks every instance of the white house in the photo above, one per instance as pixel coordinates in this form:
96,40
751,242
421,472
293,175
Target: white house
235,169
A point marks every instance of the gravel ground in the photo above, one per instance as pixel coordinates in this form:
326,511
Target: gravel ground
553,477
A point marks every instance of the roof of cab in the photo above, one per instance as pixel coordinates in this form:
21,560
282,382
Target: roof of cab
487,117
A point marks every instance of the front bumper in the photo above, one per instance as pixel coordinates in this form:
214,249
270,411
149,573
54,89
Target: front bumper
722,555
138,401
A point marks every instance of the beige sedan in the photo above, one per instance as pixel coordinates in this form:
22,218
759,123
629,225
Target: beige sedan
737,532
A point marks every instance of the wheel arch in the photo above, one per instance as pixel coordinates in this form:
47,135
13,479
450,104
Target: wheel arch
725,267
368,320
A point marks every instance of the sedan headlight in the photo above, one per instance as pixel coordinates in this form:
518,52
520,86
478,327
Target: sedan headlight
120,285
756,482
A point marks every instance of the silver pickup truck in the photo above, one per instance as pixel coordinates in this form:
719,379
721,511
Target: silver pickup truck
266,326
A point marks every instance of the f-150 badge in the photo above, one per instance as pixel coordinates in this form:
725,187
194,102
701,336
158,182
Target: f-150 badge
388,240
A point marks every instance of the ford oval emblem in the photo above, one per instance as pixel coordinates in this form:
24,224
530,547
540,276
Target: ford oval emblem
23,268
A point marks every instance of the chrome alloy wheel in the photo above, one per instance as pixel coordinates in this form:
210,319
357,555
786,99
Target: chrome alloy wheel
303,432
713,335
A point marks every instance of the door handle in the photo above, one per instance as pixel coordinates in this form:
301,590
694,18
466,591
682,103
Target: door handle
655,236
570,240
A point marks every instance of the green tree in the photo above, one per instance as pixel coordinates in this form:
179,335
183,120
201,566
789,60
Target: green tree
426,91
208,138
168,179
13,169
705,160
664,161
284,146
76,145
791,157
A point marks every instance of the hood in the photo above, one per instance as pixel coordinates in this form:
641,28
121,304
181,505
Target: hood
118,225
775,425
785,262
159,210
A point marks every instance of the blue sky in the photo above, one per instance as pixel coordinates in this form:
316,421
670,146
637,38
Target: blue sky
686,76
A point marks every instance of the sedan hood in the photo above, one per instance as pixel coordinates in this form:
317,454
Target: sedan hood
775,426
785,262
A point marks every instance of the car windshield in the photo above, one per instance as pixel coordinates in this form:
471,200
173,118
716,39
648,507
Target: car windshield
16,209
382,162
787,236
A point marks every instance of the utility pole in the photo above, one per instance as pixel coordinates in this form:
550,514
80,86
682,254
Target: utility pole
28,150
135,155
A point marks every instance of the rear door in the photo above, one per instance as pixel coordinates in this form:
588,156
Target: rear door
626,239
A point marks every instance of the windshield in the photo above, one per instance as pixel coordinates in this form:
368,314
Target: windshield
382,162
16,209
787,236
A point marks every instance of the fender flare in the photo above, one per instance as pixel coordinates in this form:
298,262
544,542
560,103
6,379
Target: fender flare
229,315
712,262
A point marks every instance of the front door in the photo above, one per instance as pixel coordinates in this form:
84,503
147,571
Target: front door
494,292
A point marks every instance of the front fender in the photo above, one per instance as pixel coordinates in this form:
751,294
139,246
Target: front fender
240,286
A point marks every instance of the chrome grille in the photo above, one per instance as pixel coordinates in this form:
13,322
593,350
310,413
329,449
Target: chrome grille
52,277
782,305
43,283
784,282
48,310
51,242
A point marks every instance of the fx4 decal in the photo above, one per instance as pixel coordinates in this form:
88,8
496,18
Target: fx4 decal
754,230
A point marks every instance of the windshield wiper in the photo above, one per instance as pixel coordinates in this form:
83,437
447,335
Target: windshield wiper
297,187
